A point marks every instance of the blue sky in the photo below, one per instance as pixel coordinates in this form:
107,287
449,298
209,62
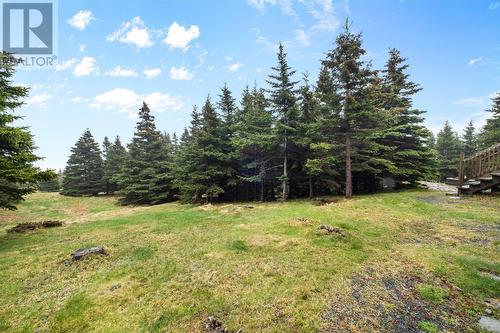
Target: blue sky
114,54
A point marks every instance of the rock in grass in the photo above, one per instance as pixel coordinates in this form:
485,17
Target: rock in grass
23,227
80,253
328,229
213,325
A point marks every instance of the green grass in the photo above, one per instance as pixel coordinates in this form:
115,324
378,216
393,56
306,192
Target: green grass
433,294
428,327
262,270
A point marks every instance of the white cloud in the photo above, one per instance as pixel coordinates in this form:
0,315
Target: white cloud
181,73
474,61
481,102
128,101
152,72
81,19
286,5
66,64
494,5
302,37
76,99
119,71
264,41
132,32
81,47
123,100
159,102
85,67
39,100
234,67
180,37
324,14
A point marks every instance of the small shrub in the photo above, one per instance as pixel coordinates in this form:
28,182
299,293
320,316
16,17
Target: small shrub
431,293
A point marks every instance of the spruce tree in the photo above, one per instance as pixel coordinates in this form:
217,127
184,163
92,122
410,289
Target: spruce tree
205,158
448,146
146,177
229,111
83,174
115,155
306,131
51,185
18,175
490,134
283,100
406,139
227,106
255,140
469,139
357,122
323,162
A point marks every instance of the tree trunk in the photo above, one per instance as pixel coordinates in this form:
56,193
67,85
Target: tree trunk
348,166
311,194
262,171
285,168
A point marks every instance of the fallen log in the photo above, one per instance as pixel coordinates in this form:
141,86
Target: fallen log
23,227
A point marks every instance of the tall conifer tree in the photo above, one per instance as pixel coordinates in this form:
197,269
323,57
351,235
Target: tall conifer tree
206,162
469,139
283,100
490,134
115,156
406,138
254,139
18,175
448,146
83,174
146,177
357,121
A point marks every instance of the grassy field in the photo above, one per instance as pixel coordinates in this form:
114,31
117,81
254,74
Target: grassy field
414,261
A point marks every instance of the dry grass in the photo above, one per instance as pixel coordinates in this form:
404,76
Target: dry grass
262,269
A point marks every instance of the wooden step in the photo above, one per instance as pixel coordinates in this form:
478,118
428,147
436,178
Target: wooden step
486,179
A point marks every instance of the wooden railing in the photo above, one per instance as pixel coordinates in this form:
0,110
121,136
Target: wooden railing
480,164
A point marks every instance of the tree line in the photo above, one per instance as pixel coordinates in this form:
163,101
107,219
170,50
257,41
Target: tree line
341,134
353,127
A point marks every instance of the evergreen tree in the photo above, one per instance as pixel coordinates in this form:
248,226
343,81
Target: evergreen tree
448,147
50,185
283,99
469,139
322,164
357,122
490,134
227,106
115,155
18,175
229,111
406,138
254,140
146,176
83,174
206,163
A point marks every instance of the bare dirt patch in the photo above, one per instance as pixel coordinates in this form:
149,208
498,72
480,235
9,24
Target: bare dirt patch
385,299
